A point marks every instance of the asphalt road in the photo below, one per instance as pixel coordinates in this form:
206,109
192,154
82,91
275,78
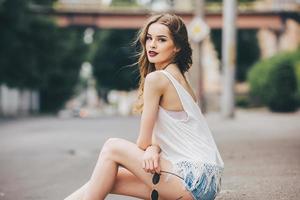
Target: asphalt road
46,158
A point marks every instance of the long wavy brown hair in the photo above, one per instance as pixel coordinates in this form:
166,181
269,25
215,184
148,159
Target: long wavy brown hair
183,58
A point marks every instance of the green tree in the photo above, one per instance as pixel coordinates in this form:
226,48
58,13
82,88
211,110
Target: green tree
61,75
247,50
272,82
36,54
282,88
113,60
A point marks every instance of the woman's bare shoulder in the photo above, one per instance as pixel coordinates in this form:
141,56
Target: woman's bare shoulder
156,80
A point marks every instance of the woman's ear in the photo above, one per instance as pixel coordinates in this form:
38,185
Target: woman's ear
176,50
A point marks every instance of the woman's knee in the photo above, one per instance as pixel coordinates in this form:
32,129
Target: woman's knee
111,147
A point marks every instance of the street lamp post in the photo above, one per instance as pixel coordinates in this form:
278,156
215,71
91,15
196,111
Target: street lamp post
228,58
199,12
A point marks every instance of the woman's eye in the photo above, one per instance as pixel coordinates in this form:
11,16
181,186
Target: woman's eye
148,38
162,40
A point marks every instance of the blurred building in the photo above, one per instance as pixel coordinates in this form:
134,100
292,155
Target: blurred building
15,101
287,38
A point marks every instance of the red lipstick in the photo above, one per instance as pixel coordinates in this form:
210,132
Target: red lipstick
152,53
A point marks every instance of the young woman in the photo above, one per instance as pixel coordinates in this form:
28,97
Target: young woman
175,156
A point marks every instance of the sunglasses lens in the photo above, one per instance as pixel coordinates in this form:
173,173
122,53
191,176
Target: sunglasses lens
155,178
154,195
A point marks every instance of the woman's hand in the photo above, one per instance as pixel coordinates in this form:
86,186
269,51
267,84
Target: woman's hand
150,161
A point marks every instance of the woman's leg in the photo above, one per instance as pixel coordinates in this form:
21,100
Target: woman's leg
122,152
78,194
103,177
125,184
128,184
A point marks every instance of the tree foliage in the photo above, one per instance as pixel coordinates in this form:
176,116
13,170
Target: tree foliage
275,81
113,60
283,87
36,54
246,57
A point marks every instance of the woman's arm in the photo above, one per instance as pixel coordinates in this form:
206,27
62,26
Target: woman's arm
153,89
155,144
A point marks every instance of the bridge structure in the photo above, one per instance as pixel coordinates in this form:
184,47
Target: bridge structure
134,19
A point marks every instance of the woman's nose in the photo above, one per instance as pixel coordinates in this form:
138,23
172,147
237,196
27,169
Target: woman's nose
153,44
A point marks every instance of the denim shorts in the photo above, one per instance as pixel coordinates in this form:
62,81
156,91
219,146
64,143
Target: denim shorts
204,185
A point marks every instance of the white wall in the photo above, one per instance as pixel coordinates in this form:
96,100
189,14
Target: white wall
14,102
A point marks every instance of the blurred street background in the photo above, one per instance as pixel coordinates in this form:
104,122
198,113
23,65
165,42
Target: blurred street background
68,81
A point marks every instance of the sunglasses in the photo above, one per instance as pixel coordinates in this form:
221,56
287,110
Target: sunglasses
155,180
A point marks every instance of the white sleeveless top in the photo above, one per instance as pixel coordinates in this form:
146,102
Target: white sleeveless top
187,141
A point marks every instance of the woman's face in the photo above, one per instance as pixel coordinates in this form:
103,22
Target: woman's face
159,45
